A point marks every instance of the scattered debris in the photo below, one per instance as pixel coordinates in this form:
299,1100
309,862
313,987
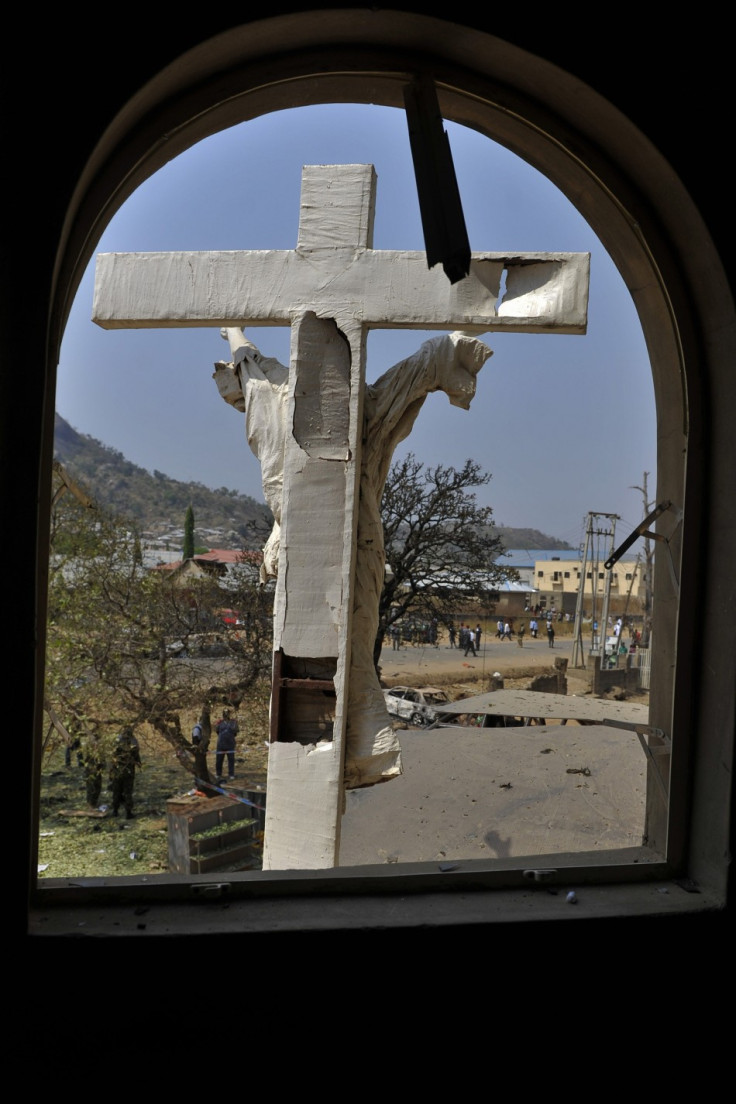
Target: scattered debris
83,812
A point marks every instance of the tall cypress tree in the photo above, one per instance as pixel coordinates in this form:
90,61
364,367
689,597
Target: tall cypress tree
187,551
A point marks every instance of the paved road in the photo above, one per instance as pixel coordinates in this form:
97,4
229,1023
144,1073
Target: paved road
411,662
469,793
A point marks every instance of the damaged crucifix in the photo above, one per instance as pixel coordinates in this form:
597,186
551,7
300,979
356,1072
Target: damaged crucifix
325,439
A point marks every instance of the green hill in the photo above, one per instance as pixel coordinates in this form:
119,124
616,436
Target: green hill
528,538
154,503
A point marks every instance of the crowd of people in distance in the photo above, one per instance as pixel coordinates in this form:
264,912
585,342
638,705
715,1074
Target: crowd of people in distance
541,623
414,632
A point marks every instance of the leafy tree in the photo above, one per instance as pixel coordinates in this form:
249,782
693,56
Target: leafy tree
128,646
441,546
187,551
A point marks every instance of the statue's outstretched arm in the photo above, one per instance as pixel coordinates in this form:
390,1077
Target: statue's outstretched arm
449,363
246,356
248,366
258,387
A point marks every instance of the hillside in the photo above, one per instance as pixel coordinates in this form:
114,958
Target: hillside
156,504
528,538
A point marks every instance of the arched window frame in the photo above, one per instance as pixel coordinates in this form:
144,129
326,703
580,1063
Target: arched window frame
630,197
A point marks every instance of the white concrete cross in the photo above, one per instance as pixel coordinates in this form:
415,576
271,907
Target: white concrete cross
331,290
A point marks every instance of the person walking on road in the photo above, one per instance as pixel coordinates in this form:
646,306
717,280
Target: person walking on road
550,634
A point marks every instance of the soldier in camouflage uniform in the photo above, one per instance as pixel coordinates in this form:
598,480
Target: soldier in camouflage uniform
126,757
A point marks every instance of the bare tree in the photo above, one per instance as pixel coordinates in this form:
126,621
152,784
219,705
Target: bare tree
128,646
441,547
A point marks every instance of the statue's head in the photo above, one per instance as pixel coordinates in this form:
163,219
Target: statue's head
458,380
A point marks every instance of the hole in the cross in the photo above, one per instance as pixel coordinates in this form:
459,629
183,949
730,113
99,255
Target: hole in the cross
303,700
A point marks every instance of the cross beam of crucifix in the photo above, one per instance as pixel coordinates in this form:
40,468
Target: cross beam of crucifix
335,270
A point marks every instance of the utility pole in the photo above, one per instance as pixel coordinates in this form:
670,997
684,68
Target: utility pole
577,658
594,535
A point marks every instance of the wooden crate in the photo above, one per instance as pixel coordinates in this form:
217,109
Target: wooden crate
233,847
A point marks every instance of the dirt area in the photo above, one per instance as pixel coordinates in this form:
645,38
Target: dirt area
499,793
461,676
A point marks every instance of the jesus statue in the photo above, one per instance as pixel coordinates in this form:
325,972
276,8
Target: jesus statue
258,387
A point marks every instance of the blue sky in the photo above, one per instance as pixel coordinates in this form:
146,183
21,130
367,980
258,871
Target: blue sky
565,425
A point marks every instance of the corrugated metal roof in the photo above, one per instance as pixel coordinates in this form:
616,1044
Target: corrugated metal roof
528,557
